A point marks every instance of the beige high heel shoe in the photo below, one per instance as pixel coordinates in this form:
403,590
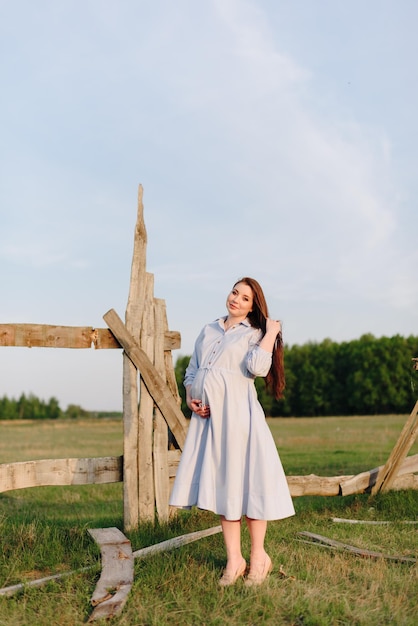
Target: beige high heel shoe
230,578
259,575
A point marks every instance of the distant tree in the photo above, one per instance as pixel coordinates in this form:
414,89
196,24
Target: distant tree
53,410
24,408
8,409
179,370
74,411
380,375
365,376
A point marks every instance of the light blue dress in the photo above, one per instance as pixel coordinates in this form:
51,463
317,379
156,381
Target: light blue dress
229,464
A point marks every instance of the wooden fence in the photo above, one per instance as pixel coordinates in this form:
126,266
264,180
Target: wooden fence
154,427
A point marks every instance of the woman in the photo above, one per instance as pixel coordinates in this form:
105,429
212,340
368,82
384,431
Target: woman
229,463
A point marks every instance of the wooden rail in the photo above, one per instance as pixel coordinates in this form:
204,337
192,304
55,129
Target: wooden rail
54,472
77,337
101,470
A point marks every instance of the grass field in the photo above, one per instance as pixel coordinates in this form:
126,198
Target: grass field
43,531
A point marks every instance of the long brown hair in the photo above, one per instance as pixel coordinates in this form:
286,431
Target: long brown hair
275,379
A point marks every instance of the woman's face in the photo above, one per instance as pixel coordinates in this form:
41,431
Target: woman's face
240,301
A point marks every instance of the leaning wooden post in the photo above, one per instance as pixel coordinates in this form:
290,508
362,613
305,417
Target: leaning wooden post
156,385
406,439
133,319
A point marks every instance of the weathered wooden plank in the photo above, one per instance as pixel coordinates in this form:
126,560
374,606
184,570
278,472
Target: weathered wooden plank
133,318
115,582
39,582
136,295
155,384
173,458
146,412
312,485
170,377
387,474
401,483
172,340
130,444
366,480
342,520
160,451
332,543
51,472
176,542
74,337
47,336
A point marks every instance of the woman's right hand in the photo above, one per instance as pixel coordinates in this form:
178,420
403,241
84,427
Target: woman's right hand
273,327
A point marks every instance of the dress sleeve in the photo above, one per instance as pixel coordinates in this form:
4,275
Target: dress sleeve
193,366
191,370
259,361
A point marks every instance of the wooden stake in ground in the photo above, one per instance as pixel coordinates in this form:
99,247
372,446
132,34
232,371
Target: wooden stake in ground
146,501
133,318
406,439
160,440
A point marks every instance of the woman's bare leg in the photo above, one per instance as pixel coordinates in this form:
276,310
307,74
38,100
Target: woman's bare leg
257,529
260,562
232,537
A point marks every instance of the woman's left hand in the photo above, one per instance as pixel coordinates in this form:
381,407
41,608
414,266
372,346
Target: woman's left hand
199,408
203,410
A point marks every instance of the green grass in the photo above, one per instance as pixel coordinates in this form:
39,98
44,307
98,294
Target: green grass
333,446
43,531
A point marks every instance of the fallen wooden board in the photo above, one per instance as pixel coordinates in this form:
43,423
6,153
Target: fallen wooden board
115,582
176,542
315,539
39,582
341,520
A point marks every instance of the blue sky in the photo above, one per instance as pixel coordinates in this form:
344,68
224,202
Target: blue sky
273,138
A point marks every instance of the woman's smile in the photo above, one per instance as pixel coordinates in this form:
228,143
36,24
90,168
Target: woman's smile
240,301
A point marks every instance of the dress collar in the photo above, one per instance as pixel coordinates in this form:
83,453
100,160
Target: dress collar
221,321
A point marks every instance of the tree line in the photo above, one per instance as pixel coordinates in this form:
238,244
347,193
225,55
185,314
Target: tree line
29,407
366,376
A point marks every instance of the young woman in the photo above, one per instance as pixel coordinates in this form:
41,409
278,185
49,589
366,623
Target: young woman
230,463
